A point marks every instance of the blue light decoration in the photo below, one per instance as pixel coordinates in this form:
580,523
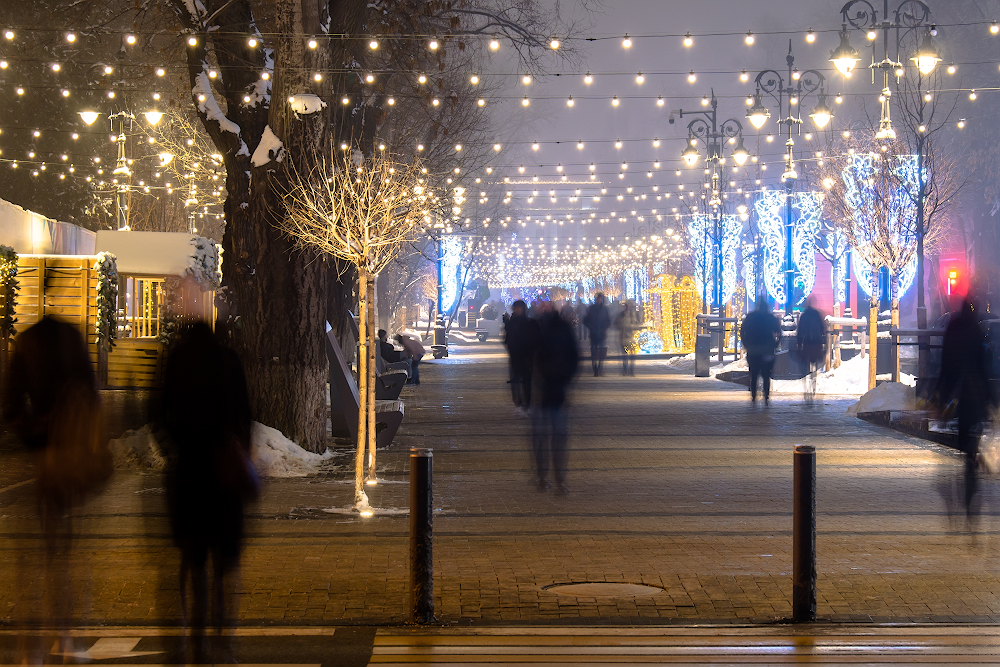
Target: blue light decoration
750,273
451,264
860,176
807,208
589,287
701,231
649,342
636,283
834,247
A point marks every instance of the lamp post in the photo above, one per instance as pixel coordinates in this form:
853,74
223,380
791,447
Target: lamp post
712,134
789,91
121,121
910,19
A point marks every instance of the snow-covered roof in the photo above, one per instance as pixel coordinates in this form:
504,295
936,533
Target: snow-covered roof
150,253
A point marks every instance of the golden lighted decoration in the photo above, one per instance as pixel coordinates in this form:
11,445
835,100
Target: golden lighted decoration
678,304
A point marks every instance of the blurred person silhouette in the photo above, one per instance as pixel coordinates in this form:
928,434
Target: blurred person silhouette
760,333
810,344
206,411
414,351
597,320
556,361
521,340
628,324
52,403
964,384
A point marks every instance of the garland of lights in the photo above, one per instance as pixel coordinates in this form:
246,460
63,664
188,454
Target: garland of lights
106,267
9,288
807,207
701,230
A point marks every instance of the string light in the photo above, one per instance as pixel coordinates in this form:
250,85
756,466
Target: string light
749,39
688,40
627,42
570,102
810,36
588,79
691,77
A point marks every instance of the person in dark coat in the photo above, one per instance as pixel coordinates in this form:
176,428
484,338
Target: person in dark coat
556,362
387,350
206,410
521,340
760,333
810,343
965,378
597,321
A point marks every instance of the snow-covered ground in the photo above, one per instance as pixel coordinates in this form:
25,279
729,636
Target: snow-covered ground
273,454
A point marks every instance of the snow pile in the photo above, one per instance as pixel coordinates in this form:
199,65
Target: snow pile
209,106
269,143
738,365
886,396
138,449
274,455
850,378
685,363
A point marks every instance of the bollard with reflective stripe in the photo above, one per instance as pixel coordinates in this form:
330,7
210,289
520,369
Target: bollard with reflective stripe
421,536
804,535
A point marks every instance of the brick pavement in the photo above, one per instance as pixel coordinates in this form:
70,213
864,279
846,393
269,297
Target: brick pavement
676,482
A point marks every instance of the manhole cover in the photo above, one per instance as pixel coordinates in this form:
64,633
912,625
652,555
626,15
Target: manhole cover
603,589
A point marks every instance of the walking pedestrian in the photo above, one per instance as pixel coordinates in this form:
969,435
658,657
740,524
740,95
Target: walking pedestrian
521,340
597,322
810,343
628,324
965,379
206,410
51,402
414,351
761,334
556,360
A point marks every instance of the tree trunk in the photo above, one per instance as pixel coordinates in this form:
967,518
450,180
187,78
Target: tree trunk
872,341
363,358
372,351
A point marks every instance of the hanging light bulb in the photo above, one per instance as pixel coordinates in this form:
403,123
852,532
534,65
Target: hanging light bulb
639,78
758,113
688,40
494,45
588,79
579,145
691,77
660,101
618,143
570,102
744,77
614,101
810,36
627,42
845,57
749,39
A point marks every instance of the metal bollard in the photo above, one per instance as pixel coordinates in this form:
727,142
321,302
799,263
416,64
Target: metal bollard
804,535
421,536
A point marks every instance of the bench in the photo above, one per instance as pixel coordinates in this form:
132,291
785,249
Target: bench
345,400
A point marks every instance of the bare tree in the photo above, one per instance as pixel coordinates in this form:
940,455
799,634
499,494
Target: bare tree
361,211
871,195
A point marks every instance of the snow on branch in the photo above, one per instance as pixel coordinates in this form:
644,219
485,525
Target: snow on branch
208,105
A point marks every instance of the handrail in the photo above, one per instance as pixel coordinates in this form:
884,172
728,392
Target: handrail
846,321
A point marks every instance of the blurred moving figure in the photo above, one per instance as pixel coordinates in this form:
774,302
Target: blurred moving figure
207,414
629,323
414,351
597,322
556,360
52,403
760,333
521,340
810,342
965,365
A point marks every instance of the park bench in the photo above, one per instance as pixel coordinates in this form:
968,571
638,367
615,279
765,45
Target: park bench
389,377
345,401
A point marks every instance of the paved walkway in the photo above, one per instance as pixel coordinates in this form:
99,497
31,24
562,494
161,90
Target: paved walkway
675,483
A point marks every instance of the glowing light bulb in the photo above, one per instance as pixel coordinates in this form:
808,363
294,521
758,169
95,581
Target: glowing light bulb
579,145
373,44
639,78
618,143
688,40
525,102
526,79
994,28
614,101
252,42
494,45
474,79
691,77
192,41
70,37
744,77
554,44
534,146
9,34
570,102
952,69
972,95
660,101
810,36
656,142
312,43
433,44
961,123
422,78
627,42
481,102
749,39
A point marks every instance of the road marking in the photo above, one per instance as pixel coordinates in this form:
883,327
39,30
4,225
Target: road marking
19,484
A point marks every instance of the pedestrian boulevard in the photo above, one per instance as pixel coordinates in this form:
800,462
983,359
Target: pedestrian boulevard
676,484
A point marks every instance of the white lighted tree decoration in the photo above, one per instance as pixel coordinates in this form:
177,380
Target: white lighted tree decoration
361,211
701,228
833,245
807,207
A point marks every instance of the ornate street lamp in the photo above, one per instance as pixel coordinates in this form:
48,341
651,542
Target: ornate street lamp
789,93
713,134
910,20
